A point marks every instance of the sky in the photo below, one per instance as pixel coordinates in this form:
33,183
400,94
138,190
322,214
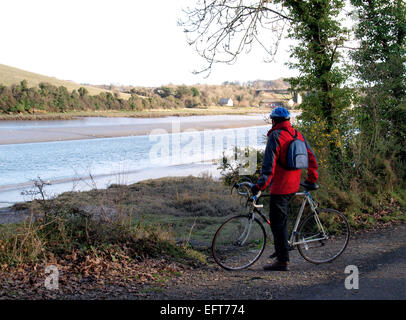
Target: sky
127,42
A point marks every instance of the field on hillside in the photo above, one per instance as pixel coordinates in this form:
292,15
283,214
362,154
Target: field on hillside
10,75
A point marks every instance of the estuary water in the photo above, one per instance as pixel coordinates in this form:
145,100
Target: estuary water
89,163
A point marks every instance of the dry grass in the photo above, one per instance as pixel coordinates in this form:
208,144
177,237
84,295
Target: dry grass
181,209
143,219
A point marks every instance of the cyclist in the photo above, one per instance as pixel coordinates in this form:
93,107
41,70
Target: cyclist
283,182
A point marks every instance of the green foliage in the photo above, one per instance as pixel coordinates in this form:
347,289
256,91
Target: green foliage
20,99
319,34
317,57
49,98
195,92
361,151
183,92
164,92
82,92
326,119
380,66
239,98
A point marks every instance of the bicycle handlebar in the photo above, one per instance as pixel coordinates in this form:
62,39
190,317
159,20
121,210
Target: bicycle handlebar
254,198
239,185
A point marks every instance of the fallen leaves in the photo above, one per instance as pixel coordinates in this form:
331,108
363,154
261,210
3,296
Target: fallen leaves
98,276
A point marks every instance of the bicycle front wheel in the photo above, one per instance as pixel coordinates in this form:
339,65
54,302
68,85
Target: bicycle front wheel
238,243
323,237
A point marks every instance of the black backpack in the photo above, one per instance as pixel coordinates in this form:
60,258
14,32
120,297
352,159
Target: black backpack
296,157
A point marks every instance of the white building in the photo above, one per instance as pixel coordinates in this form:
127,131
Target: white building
226,102
297,98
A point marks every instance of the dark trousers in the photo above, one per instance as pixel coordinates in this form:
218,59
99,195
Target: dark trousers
278,215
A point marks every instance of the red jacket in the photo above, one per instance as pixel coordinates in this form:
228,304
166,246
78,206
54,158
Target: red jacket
283,181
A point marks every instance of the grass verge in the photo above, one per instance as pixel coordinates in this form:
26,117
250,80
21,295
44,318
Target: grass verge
128,235
123,235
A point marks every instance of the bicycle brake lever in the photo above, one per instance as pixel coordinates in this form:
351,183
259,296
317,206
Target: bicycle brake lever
255,198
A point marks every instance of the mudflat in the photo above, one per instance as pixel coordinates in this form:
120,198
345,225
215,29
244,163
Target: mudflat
45,134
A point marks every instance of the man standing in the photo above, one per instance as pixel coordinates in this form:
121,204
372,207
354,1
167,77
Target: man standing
283,181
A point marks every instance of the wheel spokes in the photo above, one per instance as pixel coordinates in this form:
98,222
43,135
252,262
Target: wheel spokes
238,243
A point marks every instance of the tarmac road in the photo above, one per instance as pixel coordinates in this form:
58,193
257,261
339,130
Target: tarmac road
379,255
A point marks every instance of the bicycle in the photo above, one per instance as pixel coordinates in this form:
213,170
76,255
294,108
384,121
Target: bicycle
320,237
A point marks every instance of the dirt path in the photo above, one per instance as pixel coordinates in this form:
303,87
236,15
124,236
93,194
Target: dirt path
379,255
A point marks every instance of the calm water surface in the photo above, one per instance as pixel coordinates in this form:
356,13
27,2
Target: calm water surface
132,158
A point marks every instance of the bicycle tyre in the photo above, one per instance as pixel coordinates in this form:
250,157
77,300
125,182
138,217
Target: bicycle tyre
231,255
337,229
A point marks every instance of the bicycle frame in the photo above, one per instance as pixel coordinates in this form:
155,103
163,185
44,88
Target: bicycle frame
307,198
307,229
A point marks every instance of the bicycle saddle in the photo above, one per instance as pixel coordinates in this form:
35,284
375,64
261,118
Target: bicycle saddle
309,186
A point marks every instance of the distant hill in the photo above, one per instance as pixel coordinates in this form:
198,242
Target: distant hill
278,84
10,75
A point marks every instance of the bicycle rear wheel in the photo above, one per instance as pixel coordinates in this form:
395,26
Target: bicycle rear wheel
324,237
238,243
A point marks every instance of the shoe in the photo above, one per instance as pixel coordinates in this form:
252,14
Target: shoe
277,266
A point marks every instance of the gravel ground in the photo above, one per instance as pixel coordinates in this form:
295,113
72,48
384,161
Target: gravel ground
379,255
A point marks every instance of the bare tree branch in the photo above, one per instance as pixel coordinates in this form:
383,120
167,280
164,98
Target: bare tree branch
222,29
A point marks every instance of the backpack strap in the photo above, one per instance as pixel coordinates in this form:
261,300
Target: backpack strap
283,165
293,136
